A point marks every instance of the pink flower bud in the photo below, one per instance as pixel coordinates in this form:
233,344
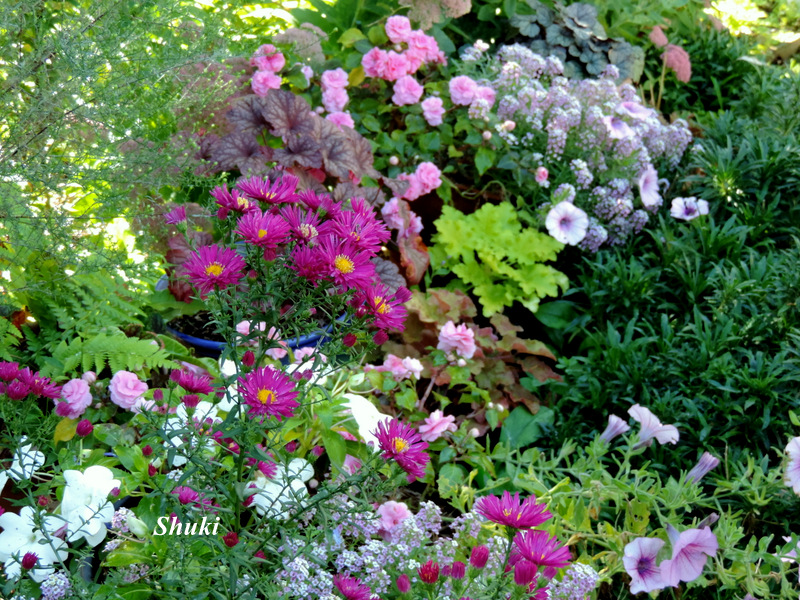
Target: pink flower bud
394,161
84,427
479,557
487,135
403,584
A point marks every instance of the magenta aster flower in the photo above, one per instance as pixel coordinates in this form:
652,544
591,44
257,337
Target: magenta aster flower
38,385
280,191
8,371
429,572
186,495
640,563
508,511
213,267
231,201
308,262
401,443
351,588
263,229
362,230
175,216
536,546
269,392
345,264
387,309
196,384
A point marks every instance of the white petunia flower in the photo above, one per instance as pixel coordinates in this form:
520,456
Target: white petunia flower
567,223
366,416
85,506
21,535
273,497
26,461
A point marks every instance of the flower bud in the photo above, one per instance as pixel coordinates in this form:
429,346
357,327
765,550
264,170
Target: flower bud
190,400
43,501
158,395
479,557
458,570
403,584
487,135
349,340
474,432
84,428
524,572
89,377
429,572
137,526
230,539
249,359
394,161
29,560
147,450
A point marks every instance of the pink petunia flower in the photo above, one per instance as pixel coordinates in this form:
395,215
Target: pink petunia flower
690,550
617,128
462,90
406,91
433,111
268,392
436,425
214,267
567,223
404,445
634,110
648,188
689,208
792,475
458,338
639,560
398,29
706,463
616,426
510,512
281,350
652,428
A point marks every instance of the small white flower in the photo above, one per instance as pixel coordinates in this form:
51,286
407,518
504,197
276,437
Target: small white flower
687,209
567,223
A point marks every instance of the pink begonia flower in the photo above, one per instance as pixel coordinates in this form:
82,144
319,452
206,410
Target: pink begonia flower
639,560
334,79
341,119
415,59
335,99
395,66
414,189
400,368
76,399
392,514
436,425
658,37
282,350
542,174
616,426
462,90
374,62
687,209
429,177
460,339
433,110
677,59
303,355
652,428
486,93
407,91
398,29
264,81
792,475
648,187
567,223
351,464
126,389
617,128
244,328
690,550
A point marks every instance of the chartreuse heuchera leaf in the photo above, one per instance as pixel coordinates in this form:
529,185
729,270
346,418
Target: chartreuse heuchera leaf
491,252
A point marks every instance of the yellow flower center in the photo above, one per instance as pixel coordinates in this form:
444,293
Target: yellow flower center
242,202
214,269
344,264
266,396
380,306
262,233
400,445
507,512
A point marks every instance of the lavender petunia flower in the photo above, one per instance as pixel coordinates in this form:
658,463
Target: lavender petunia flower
617,128
567,223
634,110
792,475
706,463
648,187
689,554
640,563
687,209
616,426
652,428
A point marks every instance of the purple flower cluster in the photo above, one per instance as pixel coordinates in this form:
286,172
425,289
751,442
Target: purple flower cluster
578,582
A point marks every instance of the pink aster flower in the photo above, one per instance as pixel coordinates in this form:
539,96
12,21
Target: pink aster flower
639,560
648,188
268,392
303,224
567,223
458,338
231,201
436,425
264,81
429,177
462,90
373,62
341,119
362,229
175,216
792,475
406,91
335,99
38,385
706,463
652,428
690,550
677,59
334,79
510,512
401,443
214,267
264,230
429,572
8,371
345,264
534,545
280,191
658,37
76,399
398,29
351,588
687,209
433,110
616,426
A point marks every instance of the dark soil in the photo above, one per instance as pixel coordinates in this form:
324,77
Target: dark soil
198,325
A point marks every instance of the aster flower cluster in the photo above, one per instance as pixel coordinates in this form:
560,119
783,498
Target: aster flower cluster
591,135
18,384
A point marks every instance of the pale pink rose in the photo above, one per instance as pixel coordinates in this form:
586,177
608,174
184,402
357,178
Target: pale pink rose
307,71
415,60
335,99
264,81
302,355
459,338
126,389
435,426
392,514
390,212
414,189
374,62
268,58
395,66
341,119
244,328
398,29
77,398
433,110
89,377
406,91
486,93
283,347
462,90
541,175
334,79
351,464
419,41
429,177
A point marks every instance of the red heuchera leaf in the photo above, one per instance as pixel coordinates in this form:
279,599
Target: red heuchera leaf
247,115
288,115
414,258
337,152
303,151
398,186
307,181
180,251
362,151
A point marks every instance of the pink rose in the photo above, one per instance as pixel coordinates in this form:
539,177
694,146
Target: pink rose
392,514
462,90
433,110
425,44
429,177
334,79
334,99
89,377
398,29
264,81
126,389
268,58
282,350
394,220
483,92
541,175
77,399
435,426
415,60
406,91
395,66
351,464
373,62
414,189
341,119
459,338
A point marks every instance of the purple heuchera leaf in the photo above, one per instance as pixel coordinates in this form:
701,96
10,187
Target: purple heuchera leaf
288,115
689,554
640,563
247,115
